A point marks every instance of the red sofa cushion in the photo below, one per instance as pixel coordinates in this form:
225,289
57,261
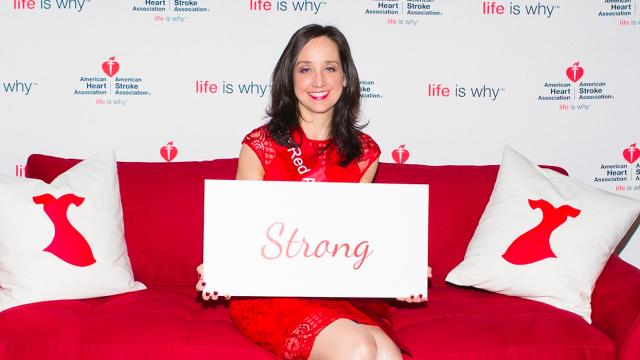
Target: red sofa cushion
163,322
458,323
169,322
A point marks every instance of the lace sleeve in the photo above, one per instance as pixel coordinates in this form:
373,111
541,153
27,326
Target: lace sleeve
370,152
261,144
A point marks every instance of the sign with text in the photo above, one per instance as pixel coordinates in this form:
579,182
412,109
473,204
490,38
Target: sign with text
280,238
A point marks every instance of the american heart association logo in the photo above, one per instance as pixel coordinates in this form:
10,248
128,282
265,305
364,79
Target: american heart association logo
575,72
631,154
400,155
111,66
169,152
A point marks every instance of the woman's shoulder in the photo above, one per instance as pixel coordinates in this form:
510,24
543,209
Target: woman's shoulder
262,144
260,133
369,146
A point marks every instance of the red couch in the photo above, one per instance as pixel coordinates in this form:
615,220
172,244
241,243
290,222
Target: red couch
163,215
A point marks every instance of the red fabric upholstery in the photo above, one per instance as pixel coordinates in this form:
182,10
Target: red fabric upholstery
159,323
162,207
619,319
459,323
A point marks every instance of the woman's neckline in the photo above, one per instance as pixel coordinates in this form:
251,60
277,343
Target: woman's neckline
307,138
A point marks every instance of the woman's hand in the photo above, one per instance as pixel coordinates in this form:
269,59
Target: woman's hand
416,298
200,288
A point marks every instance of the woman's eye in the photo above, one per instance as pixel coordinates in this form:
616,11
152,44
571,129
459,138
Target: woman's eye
331,68
304,70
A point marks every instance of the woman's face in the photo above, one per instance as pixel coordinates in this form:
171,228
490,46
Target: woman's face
318,78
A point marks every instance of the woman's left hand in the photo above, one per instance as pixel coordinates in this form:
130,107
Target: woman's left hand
416,298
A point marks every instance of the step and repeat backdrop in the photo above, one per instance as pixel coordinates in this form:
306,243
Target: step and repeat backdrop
443,82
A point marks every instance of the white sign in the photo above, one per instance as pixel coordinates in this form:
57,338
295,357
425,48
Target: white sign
276,238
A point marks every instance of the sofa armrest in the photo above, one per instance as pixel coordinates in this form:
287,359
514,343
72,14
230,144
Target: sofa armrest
615,306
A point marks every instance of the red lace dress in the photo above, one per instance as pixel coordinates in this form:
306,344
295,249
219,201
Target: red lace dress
287,327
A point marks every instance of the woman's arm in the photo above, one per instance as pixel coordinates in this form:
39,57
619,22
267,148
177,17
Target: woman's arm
249,165
370,173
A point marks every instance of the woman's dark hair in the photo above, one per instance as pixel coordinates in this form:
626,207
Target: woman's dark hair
284,110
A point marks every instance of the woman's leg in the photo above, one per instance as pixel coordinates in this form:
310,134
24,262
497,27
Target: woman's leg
386,348
345,339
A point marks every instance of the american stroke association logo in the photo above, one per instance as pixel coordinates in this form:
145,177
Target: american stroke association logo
576,91
172,11
368,89
109,86
624,174
408,12
287,6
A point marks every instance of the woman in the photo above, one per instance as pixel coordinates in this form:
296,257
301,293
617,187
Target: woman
315,101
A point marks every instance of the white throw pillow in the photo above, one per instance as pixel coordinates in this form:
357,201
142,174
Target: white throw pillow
63,240
544,236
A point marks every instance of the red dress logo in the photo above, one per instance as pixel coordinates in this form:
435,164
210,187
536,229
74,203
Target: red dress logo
533,245
67,244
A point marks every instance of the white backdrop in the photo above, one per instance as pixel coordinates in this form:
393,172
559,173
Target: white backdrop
453,81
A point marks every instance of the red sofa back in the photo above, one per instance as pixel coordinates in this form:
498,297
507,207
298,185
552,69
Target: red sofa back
163,210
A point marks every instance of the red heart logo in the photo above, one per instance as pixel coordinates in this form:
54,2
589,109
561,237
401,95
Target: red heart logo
575,72
400,155
110,67
631,154
169,152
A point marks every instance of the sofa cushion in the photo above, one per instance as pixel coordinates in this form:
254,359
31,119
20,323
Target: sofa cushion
163,211
63,240
460,323
164,322
544,236
169,322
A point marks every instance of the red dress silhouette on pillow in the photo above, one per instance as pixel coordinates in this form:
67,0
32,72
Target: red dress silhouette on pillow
67,244
533,245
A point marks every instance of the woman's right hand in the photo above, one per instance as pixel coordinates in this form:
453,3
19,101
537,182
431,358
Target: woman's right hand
200,288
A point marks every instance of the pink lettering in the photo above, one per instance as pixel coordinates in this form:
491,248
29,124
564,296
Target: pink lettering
296,247
273,241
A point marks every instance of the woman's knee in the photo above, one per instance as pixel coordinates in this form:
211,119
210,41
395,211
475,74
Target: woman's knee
344,339
363,346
